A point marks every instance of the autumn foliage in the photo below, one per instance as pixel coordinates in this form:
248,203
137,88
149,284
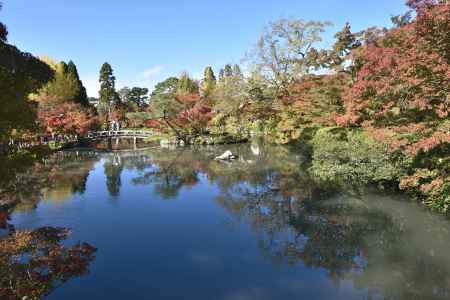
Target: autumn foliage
195,115
317,98
402,84
401,97
58,117
191,119
392,89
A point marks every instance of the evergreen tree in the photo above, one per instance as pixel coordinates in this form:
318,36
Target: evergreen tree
20,75
163,100
221,74
138,96
228,71
402,20
81,97
186,85
124,94
346,41
63,87
209,82
3,32
64,67
108,95
237,71
3,29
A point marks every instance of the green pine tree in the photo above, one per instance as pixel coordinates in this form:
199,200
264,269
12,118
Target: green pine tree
81,97
228,71
221,74
108,95
162,100
187,85
209,82
237,71
63,87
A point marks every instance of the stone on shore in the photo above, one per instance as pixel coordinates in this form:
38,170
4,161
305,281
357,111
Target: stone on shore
227,155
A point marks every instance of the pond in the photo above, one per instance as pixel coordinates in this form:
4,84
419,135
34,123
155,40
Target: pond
175,224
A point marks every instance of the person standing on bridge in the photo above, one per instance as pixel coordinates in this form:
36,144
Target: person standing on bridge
115,126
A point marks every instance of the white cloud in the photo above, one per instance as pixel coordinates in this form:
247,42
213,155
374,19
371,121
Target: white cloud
151,72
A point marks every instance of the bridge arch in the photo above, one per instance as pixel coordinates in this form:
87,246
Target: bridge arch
137,134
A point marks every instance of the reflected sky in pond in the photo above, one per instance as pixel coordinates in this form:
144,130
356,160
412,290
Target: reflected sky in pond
175,224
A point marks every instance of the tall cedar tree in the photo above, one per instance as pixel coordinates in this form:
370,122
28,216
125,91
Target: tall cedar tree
81,96
209,82
108,94
64,85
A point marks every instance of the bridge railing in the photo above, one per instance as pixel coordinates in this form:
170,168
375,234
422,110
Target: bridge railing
120,133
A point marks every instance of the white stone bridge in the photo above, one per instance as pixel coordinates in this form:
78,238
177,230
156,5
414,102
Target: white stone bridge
135,134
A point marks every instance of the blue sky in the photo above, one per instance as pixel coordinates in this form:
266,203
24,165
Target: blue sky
147,41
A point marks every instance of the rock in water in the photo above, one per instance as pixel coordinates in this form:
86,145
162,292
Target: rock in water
255,150
227,155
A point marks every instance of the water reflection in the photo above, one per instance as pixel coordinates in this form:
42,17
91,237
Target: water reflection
35,262
113,169
54,179
388,248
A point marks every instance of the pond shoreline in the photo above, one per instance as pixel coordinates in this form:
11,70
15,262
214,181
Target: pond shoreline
265,202
307,148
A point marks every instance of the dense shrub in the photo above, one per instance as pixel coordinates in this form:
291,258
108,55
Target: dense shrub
343,156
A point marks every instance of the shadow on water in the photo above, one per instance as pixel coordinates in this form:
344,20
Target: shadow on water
387,247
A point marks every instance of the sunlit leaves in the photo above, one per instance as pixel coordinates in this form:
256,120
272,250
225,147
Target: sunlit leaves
59,117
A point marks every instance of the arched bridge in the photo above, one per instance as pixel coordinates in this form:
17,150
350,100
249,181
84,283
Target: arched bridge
136,134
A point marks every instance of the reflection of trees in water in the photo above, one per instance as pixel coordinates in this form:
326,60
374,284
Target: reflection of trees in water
365,244
172,172
298,222
113,169
169,171
55,178
69,177
115,163
35,262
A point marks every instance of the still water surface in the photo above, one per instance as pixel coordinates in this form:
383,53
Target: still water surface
175,224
